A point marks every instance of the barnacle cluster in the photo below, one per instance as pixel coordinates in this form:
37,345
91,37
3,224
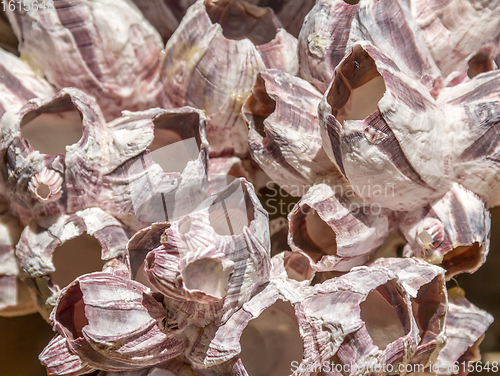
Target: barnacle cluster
135,137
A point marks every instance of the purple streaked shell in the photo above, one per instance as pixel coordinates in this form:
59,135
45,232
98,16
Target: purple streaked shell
106,49
193,70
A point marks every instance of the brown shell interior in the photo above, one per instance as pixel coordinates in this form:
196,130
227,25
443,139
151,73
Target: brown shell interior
357,87
240,20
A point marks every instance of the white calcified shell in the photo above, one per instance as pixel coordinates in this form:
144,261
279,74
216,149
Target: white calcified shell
40,239
390,147
173,367
46,185
472,113
263,337
157,168
86,315
458,30
334,229
333,26
453,232
213,259
15,298
19,83
284,133
33,155
105,48
192,69
365,318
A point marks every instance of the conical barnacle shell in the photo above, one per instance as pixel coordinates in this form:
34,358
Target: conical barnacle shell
65,171
284,133
157,168
216,256
264,333
39,242
429,299
114,59
453,232
164,15
465,328
86,314
15,298
334,229
390,147
455,31
323,39
390,27
472,117
19,83
333,26
192,69
360,320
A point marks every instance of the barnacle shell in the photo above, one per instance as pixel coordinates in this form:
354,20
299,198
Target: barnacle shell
453,232
334,229
157,170
46,176
106,49
457,31
86,315
15,298
429,299
173,367
19,83
391,146
39,242
472,117
284,134
192,69
264,334
216,256
333,26
465,328
365,318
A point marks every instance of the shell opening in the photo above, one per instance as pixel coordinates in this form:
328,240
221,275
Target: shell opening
60,118
312,235
259,106
177,140
425,238
480,63
240,20
43,191
271,342
71,311
206,275
463,258
351,2
429,309
357,87
75,257
297,266
384,314
231,211
184,225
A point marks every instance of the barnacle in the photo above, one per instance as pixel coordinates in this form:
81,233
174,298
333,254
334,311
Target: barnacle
140,146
